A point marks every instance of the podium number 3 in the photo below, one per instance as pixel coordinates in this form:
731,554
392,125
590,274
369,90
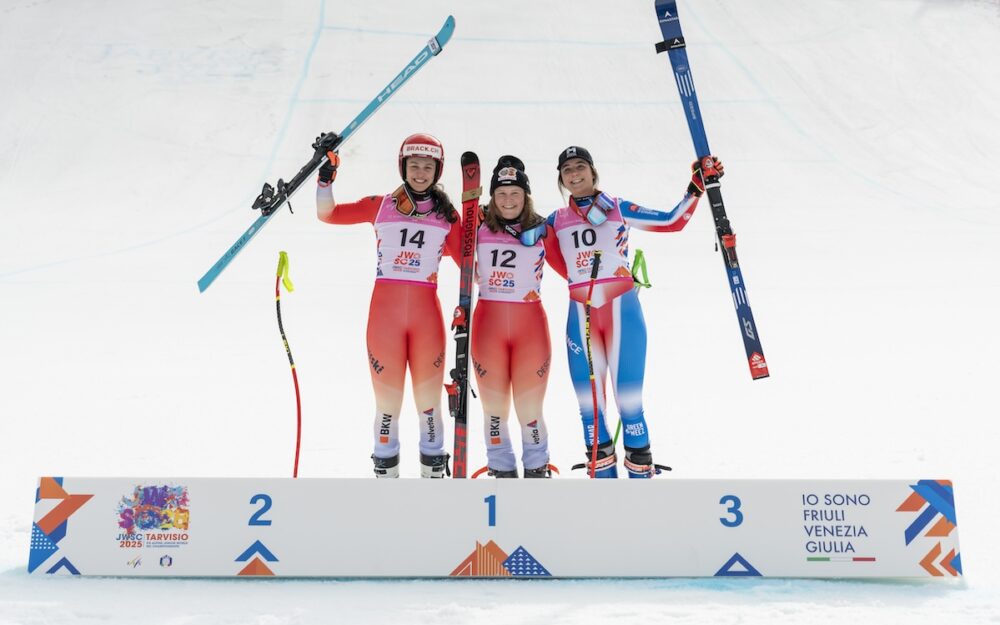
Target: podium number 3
734,504
265,501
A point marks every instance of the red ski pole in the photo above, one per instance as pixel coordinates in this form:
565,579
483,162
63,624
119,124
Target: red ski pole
284,279
595,264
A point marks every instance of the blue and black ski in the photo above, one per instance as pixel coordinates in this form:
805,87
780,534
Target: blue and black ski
673,45
273,198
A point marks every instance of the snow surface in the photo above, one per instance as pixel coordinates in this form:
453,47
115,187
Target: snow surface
861,143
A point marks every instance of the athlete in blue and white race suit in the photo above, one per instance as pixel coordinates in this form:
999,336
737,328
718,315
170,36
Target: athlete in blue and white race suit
594,221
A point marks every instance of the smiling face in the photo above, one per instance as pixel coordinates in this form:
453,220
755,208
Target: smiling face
420,172
509,201
578,177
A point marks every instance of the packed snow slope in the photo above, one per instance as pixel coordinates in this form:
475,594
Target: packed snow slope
861,142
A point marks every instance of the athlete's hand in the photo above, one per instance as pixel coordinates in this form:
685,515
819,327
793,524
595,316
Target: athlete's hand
701,169
328,170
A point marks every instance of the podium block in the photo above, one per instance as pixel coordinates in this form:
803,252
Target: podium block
198,527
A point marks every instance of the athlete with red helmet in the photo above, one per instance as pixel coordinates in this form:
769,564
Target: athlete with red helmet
415,226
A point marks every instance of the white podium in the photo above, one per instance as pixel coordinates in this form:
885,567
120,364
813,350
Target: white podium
180,527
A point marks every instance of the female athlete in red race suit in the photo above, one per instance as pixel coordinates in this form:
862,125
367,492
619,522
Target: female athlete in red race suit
414,227
511,349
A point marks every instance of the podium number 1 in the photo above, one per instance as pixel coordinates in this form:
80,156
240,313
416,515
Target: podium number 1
491,503
733,509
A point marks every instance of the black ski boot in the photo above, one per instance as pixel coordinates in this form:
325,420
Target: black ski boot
499,473
639,463
607,461
386,467
542,471
434,466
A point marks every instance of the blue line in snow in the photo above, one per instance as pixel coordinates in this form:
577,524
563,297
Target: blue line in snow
244,205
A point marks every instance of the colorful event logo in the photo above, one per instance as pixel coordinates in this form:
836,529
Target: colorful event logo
154,516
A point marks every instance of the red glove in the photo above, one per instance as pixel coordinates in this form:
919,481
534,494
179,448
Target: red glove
702,169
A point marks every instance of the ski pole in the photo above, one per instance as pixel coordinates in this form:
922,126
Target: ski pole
595,264
283,278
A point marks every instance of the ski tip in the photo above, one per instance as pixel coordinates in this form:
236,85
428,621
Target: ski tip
469,158
444,35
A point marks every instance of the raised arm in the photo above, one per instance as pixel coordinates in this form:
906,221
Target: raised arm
676,218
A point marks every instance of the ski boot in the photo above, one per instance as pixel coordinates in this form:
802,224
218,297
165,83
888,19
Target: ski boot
499,473
639,463
607,461
543,471
386,467
434,466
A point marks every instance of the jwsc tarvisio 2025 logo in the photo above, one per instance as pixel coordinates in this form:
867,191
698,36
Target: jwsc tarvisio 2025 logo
153,516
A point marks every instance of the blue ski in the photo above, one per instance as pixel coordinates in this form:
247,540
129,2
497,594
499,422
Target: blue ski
673,45
273,198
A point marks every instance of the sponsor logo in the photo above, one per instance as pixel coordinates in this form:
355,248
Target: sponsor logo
536,436
377,367
541,371
134,563
401,78
635,429
573,347
383,430
480,371
422,149
494,430
431,430
507,174
166,561
439,361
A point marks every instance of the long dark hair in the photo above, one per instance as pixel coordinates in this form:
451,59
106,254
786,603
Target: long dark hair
528,219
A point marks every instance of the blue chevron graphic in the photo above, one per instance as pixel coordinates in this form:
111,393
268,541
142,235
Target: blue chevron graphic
940,500
919,524
64,563
956,563
256,547
748,569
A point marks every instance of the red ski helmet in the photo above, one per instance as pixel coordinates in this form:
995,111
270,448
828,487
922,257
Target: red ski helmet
421,144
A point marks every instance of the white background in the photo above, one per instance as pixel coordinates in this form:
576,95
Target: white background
860,140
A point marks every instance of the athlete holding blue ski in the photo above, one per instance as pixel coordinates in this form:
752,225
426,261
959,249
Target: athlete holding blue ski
594,222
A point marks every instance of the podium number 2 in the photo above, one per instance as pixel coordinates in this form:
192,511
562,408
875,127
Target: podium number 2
266,505
734,509
491,503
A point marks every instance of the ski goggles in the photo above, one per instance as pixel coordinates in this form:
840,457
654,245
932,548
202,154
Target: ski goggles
406,205
529,236
596,212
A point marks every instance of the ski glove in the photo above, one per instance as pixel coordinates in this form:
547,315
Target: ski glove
713,167
327,142
328,170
